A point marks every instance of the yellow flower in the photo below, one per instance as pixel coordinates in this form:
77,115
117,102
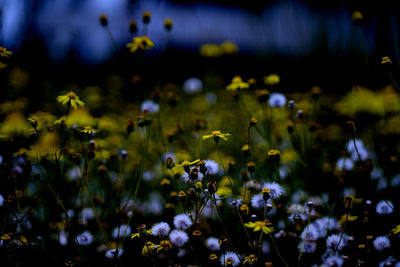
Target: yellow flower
165,245
211,50
188,163
140,42
14,123
71,99
88,130
6,237
217,135
213,257
386,60
356,15
229,47
237,84
260,225
138,235
350,218
4,52
148,249
396,230
251,259
272,79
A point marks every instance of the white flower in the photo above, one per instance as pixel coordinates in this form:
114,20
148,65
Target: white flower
345,163
212,167
84,239
123,230
384,207
213,243
160,229
194,177
192,85
62,238
150,106
333,261
111,253
309,246
258,201
277,100
381,242
351,148
229,257
178,238
182,221
333,240
276,190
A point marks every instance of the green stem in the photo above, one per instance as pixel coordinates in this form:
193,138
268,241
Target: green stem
223,167
341,235
305,239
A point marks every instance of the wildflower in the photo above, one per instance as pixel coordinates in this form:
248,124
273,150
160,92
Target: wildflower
277,100
161,229
212,167
71,99
150,106
260,225
272,79
196,233
333,240
213,257
178,238
237,84
217,135
381,242
213,243
88,130
229,47
4,52
85,238
386,60
384,207
333,261
251,259
165,245
309,246
140,42
103,19
148,249
122,231
229,259
192,85
193,176
211,50
182,221
168,23
275,190
312,233
274,155
112,253
142,231
345,163
396,230
146,16
348,217
133,27
356,15
258,201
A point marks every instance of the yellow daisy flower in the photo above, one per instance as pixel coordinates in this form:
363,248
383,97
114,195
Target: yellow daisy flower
88,130
260,225
4,52
272,79
71,99
237,84
396,230
217,135
140,42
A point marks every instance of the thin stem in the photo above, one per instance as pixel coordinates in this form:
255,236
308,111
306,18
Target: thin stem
305,239
393,81
341,235
277,250
223,167
244,227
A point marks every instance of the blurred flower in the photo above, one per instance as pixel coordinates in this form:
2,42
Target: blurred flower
345,164
146,16
396,230
178,238
309,246
133,27
161,229
192,85
150,106
140,42
356,15
211,50
275,190
112,253
165,245
103,19
182,221
229,258
168,23
237,84
277,100
14,123
85,238
71,99
213,243
148,249
386,60
381,242
384,207
333,240
4,52
121,231
260,225
212,167
229,47
88,130
272,79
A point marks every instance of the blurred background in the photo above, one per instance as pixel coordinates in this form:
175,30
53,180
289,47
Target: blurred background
337,43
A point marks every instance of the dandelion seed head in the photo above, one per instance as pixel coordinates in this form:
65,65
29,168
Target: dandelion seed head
381,242
213,244
231,257
182,221
160,229
178,238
